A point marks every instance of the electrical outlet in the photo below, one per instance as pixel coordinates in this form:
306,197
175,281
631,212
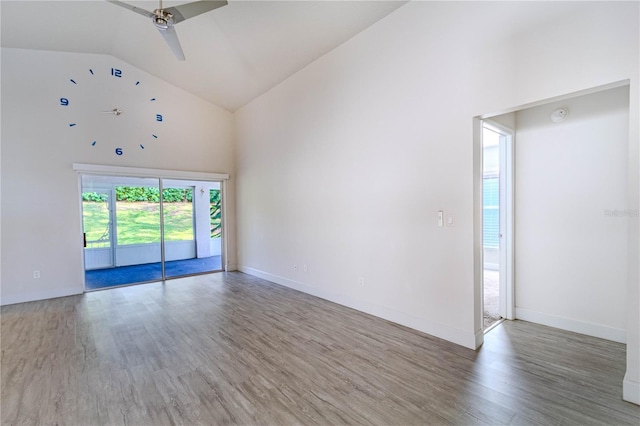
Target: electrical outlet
361,281
36,274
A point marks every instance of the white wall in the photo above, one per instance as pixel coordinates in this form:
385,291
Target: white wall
41,222
371,140
571,255
507,120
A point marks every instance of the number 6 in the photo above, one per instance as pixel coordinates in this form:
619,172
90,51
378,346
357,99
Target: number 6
118,151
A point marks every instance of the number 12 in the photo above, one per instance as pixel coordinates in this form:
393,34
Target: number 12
116,72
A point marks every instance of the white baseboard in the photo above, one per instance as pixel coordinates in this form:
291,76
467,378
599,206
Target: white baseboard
479,335
590,329
40,295
631,390
460,337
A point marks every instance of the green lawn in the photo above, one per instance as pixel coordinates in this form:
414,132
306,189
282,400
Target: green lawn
96,219
139,222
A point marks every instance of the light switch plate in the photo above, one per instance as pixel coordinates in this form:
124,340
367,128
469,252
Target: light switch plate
451,220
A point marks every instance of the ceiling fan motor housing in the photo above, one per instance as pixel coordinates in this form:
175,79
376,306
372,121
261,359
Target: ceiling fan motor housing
162,19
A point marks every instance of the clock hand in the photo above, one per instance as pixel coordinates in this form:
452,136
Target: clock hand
114,111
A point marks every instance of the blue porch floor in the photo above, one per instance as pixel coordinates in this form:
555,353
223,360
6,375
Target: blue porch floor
122,275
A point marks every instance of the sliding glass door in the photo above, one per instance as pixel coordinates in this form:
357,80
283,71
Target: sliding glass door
179,228
97,222
145,229
128,251
190,247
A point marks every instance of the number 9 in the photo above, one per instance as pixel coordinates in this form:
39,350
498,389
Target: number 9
118,151
64,101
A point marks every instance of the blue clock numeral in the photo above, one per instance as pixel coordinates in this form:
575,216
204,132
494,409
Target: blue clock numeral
118,151
158,117
116,72
64,101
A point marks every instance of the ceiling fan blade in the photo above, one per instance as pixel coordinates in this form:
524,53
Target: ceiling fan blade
171,37
189,10
132,8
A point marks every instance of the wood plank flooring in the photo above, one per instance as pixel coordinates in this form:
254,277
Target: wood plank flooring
229,348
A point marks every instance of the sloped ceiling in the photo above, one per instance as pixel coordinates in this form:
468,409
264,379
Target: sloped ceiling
233,54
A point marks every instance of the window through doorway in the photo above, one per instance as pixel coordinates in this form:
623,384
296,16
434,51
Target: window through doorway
497,212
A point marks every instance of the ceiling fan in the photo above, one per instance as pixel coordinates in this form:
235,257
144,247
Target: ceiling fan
165,19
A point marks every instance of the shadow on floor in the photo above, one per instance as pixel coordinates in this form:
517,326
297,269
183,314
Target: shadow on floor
122,275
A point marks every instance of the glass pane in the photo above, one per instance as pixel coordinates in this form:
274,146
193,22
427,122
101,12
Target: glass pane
96,219
178,214
491,210
96,223
215,212
138,213
121,217
215,227
192,227
179,232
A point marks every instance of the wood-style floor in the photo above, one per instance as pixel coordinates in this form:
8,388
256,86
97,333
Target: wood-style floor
232,349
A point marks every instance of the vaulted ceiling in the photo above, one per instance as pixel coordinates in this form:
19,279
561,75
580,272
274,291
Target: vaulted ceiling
233,54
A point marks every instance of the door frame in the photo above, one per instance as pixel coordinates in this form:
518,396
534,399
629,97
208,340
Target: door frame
160,174
478,256
507,215
476,124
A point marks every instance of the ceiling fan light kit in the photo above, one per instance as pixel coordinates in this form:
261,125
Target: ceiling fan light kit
165,19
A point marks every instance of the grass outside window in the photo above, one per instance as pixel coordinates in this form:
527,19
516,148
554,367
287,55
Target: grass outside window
139,222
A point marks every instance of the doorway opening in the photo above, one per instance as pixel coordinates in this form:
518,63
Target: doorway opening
497,223
140,229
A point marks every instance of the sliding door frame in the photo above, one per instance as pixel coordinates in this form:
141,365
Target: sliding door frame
119,171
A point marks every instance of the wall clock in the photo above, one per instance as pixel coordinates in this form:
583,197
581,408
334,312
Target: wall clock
120,101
